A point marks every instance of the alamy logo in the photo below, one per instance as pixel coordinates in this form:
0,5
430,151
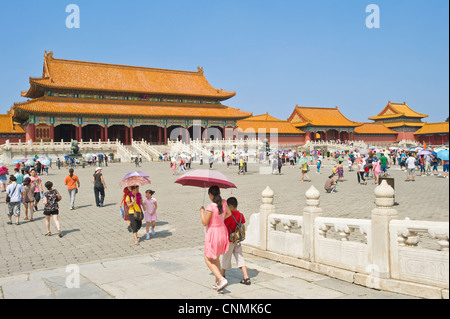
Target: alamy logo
73,279
373,19
73,19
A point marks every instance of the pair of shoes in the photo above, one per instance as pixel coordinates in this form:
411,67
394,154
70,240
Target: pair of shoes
246,281
71,208
153,231
9,222
17,223
60,234
35,208
147,236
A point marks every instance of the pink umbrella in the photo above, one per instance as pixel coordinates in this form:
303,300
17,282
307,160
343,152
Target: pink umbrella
138,173
205,178
135,181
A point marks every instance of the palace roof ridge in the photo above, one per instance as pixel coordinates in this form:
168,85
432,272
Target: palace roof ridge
198,72
95,76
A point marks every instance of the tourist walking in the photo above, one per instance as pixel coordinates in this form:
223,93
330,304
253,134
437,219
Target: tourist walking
28,198
216,236
150,207
124,208
376,172
280,165
173,165
434,163
73,183
384,164
305,168
99,187
3,178
410,168
211,160
14,196
135,211
422,165
360,172
340,171
38,189
181,166
234,249
18,175
319,165
51,210
445,168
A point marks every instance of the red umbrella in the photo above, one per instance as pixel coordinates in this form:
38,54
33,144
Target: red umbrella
205,178
135,181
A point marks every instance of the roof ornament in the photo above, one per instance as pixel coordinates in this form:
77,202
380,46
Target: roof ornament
200,70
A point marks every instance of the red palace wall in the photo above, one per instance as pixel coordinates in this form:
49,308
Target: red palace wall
433,139
376,138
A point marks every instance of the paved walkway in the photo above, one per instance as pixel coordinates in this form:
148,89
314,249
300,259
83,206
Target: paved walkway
92,234
179,274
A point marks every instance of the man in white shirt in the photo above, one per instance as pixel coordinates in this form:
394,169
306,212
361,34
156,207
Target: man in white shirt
411,167
15,192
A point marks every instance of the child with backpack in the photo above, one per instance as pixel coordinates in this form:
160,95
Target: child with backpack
236,231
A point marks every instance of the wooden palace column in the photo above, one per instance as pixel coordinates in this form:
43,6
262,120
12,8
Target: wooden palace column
159,135
105,134
131,135
165,134
52,132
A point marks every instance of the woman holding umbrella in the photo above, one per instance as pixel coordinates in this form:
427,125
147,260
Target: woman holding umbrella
135,211
216,236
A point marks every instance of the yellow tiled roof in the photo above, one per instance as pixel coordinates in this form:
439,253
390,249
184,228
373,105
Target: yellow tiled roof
403,123
433,128
319,116
373,128
76,106
394,110
7,125
78,75
267,122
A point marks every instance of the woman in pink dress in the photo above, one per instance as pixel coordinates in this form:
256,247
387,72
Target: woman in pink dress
216,236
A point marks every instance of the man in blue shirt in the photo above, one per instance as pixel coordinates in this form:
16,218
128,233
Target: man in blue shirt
18,175
15,192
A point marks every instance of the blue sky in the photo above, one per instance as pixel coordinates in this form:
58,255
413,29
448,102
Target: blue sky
274,54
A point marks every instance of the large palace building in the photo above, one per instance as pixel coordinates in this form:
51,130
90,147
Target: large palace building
84,100
76,100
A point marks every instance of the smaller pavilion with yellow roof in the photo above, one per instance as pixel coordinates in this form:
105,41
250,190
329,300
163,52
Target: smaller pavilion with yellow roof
323,123
269,126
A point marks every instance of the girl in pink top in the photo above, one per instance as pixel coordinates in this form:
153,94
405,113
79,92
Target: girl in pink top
150,212
376,171
216,236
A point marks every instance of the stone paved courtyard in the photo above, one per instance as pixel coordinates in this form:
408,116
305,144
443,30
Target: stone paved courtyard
92,234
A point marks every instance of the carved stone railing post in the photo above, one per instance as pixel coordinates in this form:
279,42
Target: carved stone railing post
381,217
310,213
267,208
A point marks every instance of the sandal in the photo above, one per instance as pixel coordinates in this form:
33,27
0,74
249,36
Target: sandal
60,234
48,234
246,281
222,284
